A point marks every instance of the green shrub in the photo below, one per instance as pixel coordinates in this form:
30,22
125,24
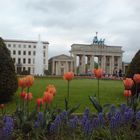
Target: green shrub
134,66
8,79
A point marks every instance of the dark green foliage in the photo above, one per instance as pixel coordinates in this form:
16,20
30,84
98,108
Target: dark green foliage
73,109
134,67
8,79
96,104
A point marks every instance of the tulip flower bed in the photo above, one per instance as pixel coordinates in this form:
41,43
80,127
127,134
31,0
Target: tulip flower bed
50,121
111,91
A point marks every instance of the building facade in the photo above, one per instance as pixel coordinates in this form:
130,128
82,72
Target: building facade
109,57
60,64
23,54
125,67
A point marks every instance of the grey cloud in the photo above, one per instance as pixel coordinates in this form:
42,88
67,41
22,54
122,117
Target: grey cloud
64,14
64,22
52,6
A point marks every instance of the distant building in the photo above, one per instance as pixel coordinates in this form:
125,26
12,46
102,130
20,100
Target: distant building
23,54
109,57
125,67
60,64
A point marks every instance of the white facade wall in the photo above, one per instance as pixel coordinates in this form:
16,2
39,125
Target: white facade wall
23,54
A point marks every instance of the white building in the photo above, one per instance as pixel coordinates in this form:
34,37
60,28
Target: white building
60,64
23,53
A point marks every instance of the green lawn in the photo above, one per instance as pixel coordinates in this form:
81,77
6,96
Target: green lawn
111,91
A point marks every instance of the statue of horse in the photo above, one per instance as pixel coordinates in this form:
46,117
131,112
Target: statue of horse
95,40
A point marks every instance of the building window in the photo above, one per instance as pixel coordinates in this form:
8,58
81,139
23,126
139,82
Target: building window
62,63
19,60
33,70
29,46
9,45
19,52
24,68
14,45
29,69
34,46
24,60
33,52
29,52
44,47
18,70
14,60
24,52
44,53
19,45
29,61
24,46
14,52
44,61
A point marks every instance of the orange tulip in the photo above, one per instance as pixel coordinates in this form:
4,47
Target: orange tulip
1,106
29,80
22,82
48,97
127,93
23,94
51,89
39,102
26,81
28,96
128,83
136,78
68,76
98,73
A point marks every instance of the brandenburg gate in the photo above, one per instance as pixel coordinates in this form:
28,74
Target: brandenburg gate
109,57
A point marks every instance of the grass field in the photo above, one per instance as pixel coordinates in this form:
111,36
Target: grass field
111,91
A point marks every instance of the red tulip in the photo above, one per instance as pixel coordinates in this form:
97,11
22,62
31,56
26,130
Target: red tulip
39,102
136,78
48,97
68,76
128,83
98,73
127,93
28,96
23,94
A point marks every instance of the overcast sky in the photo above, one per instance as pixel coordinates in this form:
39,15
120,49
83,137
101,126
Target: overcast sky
64,22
